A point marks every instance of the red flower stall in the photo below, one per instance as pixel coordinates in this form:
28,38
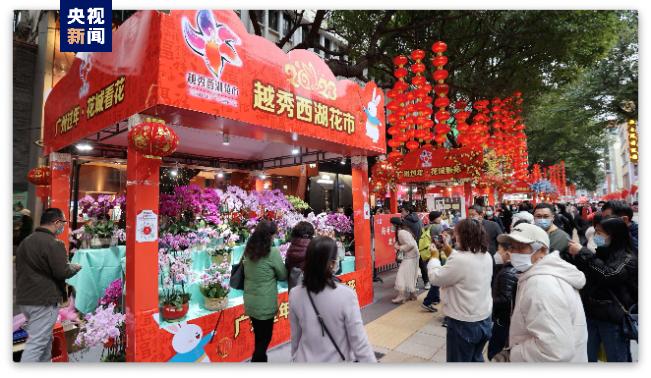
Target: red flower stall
193,86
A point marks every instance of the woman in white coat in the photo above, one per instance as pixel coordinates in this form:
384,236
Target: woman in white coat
337,333
407,275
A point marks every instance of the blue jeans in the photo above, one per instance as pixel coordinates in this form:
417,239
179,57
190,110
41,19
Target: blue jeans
499,337
465,341
617,347
433,295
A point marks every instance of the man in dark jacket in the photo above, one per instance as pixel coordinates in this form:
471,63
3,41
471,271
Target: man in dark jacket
504,288
41,270
622,210
492,228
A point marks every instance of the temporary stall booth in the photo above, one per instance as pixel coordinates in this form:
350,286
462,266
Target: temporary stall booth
215,96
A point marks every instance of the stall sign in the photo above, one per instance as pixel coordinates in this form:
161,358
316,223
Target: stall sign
97,103
432,164
447,203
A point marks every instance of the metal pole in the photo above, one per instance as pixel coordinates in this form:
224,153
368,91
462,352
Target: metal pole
76,167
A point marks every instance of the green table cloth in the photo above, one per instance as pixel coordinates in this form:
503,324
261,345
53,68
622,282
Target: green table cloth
100,267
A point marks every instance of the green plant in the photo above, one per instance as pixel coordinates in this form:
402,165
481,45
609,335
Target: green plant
101,229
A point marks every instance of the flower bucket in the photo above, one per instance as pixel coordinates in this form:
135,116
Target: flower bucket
171,313
97,242
215,304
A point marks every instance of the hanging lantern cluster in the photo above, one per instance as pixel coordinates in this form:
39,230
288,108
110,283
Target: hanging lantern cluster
39,176
419,111
383,178
153,138
397,108
441,90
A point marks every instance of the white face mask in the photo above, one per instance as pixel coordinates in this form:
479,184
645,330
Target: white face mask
498,259
521,262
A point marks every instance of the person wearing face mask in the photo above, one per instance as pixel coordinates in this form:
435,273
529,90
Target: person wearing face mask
41,270
622,210
491,216
612,286
492,228
544,218
548,322
505,285
337,333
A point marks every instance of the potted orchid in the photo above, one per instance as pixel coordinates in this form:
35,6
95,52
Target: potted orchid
106,325
105,216
214,286
175,275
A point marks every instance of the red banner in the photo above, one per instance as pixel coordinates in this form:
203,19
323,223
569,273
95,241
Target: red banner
439,164
194,66
519,187
384,238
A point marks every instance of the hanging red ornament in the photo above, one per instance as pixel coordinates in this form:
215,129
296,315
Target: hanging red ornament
439,47
441,89
417,54
153,139
417,68
442,116
412,145
442,102
393,130
440,75
400,72
460,104
39,176
400,60
440,61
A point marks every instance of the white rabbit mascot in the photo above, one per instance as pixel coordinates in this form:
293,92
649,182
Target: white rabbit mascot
188,343
372,121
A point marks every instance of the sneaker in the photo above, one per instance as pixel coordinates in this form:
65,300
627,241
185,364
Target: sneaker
427,286
429,308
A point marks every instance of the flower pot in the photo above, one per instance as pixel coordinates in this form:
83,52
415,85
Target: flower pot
171,313
97,242
215,304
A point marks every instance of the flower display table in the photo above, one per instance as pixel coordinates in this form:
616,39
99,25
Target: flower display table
100,267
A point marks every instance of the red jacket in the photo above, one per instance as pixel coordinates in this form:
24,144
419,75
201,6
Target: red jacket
296,253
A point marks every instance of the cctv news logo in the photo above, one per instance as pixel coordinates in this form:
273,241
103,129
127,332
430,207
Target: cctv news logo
86,25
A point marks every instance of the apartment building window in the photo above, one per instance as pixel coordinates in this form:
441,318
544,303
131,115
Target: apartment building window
286,24
273,20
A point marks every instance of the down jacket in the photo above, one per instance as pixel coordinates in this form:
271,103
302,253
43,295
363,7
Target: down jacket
548,322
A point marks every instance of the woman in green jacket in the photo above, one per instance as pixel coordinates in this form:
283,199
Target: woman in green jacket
263,267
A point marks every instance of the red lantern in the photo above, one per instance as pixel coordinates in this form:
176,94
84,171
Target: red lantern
417,54
440,75
442,102
442,116
394,155
394,143
441,89
400,60
39,176
461,104
400,73
440,139
393,130
440,61
418,68
153,139
412,145
439,47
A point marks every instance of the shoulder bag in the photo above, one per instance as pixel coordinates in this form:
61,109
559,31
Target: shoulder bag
630,321
237,275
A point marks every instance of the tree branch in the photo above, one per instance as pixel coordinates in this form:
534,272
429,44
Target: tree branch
297,24
254,21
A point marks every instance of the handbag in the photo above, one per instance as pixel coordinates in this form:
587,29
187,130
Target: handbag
630,321
237,275
323,326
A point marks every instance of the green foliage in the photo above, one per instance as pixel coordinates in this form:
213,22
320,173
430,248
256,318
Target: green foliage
570,122
101,229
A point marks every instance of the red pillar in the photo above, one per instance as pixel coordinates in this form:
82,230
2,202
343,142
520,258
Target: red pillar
60,169
393,201
362,214
467,194
142,256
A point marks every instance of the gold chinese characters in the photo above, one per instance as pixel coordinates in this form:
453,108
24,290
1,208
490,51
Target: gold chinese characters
280,102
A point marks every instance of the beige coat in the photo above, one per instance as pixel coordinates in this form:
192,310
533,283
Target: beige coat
408,270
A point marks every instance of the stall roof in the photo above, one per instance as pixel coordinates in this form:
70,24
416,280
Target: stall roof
206,76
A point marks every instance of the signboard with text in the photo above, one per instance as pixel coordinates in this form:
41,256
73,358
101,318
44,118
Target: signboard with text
440,164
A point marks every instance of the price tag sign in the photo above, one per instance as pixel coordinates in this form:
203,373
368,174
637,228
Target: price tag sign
146,226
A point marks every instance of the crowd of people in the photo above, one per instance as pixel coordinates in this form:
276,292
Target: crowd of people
514,280
511,280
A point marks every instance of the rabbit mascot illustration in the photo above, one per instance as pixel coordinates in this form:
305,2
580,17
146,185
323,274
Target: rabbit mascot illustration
372,121
188,343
